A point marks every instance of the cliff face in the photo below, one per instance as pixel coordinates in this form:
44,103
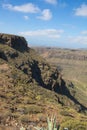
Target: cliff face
16,42
14,48
59,53
25,78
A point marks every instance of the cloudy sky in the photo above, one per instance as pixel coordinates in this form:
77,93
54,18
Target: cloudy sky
56,23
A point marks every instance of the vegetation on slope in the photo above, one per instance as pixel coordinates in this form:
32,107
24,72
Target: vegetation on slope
73,66
25,84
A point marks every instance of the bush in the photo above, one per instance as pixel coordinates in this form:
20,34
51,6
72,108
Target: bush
33,109
74,125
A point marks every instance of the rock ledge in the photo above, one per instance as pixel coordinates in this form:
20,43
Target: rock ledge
17,42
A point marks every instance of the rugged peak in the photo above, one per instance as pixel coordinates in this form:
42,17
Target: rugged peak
17,42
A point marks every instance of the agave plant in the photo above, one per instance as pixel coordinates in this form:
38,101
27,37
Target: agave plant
22,128
39,128
51,125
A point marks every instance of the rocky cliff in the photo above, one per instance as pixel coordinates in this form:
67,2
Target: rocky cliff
14,49
16,42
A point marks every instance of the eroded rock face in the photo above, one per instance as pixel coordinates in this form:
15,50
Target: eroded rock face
16,42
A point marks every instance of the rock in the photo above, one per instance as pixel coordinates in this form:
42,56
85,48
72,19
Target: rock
17,42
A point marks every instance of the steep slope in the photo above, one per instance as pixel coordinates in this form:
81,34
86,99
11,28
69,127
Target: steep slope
73,66
25,83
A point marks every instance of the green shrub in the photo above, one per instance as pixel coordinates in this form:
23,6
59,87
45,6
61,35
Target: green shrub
74,125
33,109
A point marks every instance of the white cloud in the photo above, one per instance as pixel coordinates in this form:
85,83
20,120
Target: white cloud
50,33
84,32
45,15
26,17
81,11
51,1
25,8
69,25
78,39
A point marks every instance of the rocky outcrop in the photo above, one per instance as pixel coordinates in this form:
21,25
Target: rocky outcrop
16,42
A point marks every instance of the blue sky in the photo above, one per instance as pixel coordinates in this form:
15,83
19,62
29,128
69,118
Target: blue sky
56,23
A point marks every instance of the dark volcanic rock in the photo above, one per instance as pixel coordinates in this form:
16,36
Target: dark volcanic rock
16,42
3,56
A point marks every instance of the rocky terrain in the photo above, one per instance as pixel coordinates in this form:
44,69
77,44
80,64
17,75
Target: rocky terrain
73,65
31,89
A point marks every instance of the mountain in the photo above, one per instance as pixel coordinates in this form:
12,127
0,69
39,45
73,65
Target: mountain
30,88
